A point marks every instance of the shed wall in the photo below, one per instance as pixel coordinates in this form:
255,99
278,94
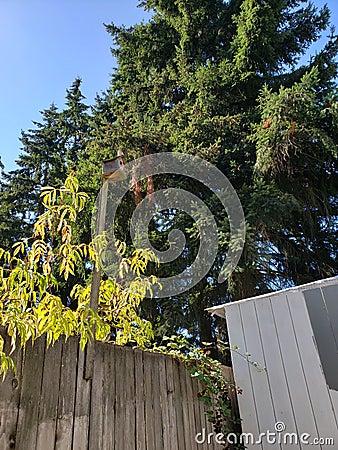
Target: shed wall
293,334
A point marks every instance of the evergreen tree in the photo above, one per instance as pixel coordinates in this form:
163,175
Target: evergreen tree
220,80
49,151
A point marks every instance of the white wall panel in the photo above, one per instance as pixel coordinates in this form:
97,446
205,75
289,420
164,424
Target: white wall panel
316,385
259,378
280,391
279,333
247,402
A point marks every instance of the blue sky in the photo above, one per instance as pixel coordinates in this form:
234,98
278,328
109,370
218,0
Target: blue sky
46,44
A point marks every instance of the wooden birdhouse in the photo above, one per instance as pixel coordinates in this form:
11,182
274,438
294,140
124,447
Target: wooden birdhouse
112,169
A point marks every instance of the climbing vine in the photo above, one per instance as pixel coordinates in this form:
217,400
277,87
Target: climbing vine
216,389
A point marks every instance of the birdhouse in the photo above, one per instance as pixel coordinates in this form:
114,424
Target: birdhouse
112,169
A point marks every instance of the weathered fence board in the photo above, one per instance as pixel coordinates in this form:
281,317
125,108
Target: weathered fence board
140,437
149,406
32,370
66,402
48,409
10,390
96,436
82,405
172,424
133,401
178,401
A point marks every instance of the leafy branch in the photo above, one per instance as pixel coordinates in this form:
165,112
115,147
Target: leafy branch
30,277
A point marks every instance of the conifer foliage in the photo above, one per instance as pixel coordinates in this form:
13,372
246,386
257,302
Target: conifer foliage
232,82
50,150
225,80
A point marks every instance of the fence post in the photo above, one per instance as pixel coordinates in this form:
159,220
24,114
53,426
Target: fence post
112,171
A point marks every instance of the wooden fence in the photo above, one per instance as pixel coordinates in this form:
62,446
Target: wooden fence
133,400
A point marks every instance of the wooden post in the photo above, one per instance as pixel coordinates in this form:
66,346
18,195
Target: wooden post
112,171
100,227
